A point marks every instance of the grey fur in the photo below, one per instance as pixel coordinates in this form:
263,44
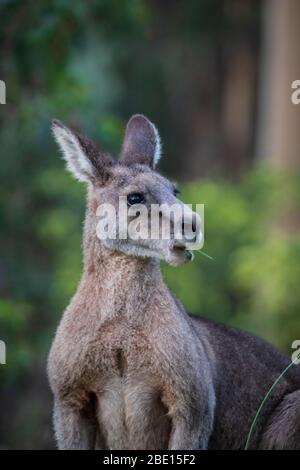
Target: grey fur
129,368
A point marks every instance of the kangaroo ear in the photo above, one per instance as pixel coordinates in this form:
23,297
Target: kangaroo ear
84,159
141,142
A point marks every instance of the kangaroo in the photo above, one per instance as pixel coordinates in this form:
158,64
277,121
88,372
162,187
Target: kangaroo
129,367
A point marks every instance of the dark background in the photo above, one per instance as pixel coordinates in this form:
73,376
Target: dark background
215,76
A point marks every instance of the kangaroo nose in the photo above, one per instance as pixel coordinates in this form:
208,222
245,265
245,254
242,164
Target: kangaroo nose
189,229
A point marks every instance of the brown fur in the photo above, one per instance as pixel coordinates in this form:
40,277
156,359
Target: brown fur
129,368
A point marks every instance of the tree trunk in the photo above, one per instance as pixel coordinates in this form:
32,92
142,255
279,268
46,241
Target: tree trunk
279,119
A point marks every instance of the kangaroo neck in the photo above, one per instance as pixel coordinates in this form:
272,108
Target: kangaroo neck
120,284
116,283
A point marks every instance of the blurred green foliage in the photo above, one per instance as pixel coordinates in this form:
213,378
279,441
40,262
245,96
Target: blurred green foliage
252,280
93,64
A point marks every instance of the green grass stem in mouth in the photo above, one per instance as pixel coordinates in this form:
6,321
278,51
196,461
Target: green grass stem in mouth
205,254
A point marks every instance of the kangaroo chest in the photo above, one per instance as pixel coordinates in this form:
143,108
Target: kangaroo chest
130,409
121,347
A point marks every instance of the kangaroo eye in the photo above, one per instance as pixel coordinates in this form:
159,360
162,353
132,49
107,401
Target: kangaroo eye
135,198
176,191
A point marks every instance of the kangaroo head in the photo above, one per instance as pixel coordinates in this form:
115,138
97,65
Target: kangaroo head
131,183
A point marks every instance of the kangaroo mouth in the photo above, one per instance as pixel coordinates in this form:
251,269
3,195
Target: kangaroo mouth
180,249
